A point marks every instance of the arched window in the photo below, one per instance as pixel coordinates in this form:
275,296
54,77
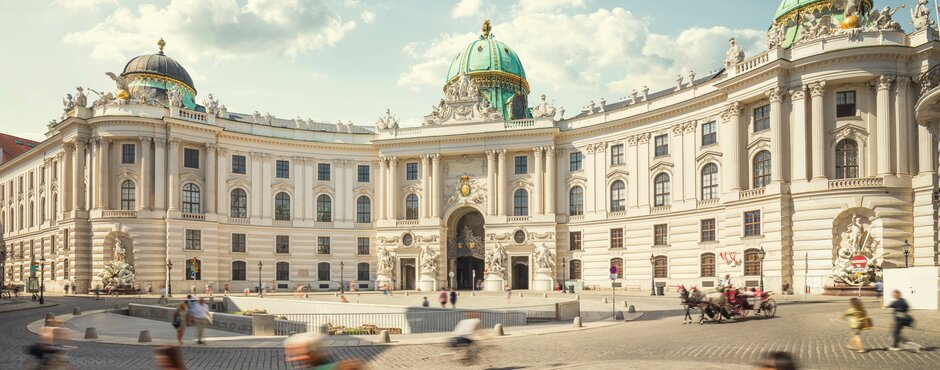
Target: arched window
574,270
323,271
193,269
660,267
191,198
128,195
239,271
709,181
324,208
363,210
707,262
55,207
282,206
618,263
239,204
617,199
32,214
847,159
65,269
362,272
661,190
576,201
761,169
411,207
752,262
282,271
42,209
520,203
19,220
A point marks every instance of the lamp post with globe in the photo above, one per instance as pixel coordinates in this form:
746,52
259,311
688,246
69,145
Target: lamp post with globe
761,253
907,252
42,280
260,291
652,274
169,278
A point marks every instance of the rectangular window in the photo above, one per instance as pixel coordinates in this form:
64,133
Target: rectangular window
661,143
238,243
323,245
362,246
362,173
616,154
574,240
323,171
708,230
845,104
190,158
128,153
709,133
362,272
239,272
616,238
282,244
752,223
281,169
194,240
574,161
411,171
323,271
238,164
660,235
762,118
521,165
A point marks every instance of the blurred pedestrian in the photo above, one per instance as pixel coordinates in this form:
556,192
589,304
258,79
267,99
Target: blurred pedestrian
73,288
508,290
453,298
425,303
777,361
902,319
858,321
168,358
202,316
179,321
442,298
163,297
342,298
149,288
190,302
305,351
66,289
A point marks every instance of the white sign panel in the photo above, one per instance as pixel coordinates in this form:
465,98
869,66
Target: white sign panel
918,285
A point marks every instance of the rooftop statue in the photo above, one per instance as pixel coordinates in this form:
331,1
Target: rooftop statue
816,27
387,122
68,103
174,97
211,104
734,55
882,20
80,99
121,86
646,93
920,16
544,109
775,35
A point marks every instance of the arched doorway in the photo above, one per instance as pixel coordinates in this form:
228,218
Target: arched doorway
520,273
465,248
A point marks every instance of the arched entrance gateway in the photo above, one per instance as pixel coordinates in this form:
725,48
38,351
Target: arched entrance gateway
465,248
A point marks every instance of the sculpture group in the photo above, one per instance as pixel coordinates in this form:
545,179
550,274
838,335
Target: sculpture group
856,240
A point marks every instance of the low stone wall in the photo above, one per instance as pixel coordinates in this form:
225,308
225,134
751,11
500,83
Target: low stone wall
567,311
248,325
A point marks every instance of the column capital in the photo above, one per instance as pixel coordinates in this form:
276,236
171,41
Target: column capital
733,109
145,139
903,81
490,154
255,155
80,141
425,158
537,150
798,92
383,162
775,94
502,153
883,82
159,142
678,129
643,138
550,151
436,157
212,147
103,139
173,141
222,150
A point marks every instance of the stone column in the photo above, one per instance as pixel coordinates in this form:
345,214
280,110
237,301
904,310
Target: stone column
173,185
380,189
96,173
503,184
267,199
255,191
297,174
425,185
676,151
590,172
883,111
105,181
732,147
925,150
339,172
393,200
309,180
599,182
145,190
798,156
66,188
644,177
633,168
491,182
817,90
538,178
903,123
211,159
78,175
223,196
550,180
776,133
438,180
159,186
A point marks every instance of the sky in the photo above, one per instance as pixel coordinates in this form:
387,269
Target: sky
350,60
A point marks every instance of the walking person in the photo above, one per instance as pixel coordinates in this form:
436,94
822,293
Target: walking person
899,309
453,298
425,303
163,299
66,289
442,297
179,321
858,321
74,291
202,316
508,289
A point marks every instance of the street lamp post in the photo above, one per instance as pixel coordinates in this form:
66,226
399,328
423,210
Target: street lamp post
42,280
907,252
762,253
3,267
169,278
652,274
260,292
342,278
564,274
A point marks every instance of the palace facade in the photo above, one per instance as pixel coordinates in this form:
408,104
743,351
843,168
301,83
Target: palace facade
757,171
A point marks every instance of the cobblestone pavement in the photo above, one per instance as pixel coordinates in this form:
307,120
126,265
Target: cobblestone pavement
812,331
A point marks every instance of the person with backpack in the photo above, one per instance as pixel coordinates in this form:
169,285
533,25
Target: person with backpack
902,319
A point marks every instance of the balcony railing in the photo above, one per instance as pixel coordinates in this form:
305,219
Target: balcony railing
661,209
239,220
283,223
117,213
745,194
517,219
406,223
754,62
707,203
576,218
519,123
363,225
192,116
194,216
865,182
323,224
617,214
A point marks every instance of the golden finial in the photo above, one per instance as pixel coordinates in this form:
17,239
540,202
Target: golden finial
161,44
486,28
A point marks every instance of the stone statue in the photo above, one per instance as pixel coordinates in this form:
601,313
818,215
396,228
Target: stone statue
174,98
850,8
734,55
774,36
678,82
119,273
591,107
388,121
385,261
119,252
495,258
120,84
429,259
103,99
544,109
80,99
67,103
211,104
814,28
920,16
691,78
857,240
882,20
463,86
633,94
145,97
544,258
646,93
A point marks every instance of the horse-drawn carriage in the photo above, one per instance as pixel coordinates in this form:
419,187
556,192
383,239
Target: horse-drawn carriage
734,304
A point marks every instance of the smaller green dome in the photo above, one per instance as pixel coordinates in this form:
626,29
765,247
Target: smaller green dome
485,54
787,6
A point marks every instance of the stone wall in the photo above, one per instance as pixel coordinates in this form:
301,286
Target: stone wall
248,325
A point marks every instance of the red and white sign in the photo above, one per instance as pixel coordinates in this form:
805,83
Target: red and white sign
859,263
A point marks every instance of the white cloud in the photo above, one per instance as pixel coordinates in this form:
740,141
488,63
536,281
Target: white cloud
536,6
83,4
466,8
216,29
367,17
434,58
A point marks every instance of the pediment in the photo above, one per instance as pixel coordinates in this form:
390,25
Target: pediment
618,172
576,180
363,190
282,187
190,177
848,131
709,156
662,166
521,183
323,189
760,143
239,183
412,188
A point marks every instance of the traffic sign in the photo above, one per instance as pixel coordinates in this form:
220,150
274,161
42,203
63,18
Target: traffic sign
859,263
613,270
613,276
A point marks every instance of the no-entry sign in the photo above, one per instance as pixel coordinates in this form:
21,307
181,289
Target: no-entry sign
859,263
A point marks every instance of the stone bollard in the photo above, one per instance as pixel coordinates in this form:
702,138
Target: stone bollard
336,294
577,297
306,295
625,304
544,295
144,336
631,309
49,317
407,293
604,300
520,295
473,294
577,322
498,330
76,311
383,337
323,329
91,333
618,315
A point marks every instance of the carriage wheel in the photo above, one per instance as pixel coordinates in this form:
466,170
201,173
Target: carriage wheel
769,308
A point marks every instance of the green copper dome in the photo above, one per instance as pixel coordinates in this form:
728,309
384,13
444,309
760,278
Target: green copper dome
787,6
485,54
793,16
